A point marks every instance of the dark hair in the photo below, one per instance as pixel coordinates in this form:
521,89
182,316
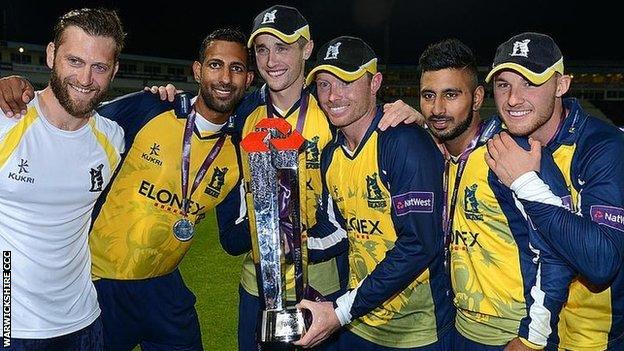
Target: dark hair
449,53
225,34
95,22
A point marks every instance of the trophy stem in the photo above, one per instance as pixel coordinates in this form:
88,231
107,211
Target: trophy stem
273,156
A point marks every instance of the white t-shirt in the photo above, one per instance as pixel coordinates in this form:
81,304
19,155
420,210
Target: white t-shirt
204,125
49,182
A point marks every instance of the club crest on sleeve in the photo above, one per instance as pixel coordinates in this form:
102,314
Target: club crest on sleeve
567,202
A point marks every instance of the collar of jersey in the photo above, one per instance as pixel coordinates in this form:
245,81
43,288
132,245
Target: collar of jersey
292,109
341,140
203,135
576,117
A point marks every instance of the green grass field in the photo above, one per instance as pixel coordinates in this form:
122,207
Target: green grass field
213,276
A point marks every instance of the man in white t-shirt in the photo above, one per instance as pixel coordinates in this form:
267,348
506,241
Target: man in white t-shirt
54,163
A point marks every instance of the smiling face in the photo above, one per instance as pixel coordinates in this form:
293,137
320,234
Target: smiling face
82,69
223,77
448,101
345,103
528,109
280,64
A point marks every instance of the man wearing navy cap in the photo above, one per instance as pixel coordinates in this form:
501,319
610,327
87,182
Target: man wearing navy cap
384,205
529,84
282,43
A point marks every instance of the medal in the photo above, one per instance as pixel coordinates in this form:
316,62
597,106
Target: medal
183,229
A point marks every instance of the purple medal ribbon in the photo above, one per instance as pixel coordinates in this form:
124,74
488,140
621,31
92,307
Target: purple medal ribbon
303,108
186,160
447,223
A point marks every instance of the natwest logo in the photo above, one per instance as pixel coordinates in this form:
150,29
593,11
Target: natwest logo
614,218
610,216
413,201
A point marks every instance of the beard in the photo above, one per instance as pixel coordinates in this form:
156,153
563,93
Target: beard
60,88
456,131
220,105
530,127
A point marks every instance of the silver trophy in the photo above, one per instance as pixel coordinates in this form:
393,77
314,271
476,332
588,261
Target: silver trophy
273,150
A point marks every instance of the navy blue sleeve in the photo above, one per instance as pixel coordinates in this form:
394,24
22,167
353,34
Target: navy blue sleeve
233,222
412,167
547,291
591,240
133,111
550,291
232,217
328,237
249,103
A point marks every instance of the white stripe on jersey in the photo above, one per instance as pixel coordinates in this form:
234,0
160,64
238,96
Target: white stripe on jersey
334,238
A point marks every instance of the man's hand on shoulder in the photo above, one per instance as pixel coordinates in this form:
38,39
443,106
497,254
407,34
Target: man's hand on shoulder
397,112
166,92
15,93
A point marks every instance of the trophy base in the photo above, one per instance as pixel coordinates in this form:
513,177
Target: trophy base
282,326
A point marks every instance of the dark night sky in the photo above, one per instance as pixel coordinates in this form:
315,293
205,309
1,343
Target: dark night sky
589,30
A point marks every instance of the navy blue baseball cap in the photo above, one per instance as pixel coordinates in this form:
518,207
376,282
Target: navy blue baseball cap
284,22
535,56
348,58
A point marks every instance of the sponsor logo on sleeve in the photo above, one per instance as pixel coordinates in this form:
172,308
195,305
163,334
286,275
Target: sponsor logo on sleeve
413,201
567,202
610,216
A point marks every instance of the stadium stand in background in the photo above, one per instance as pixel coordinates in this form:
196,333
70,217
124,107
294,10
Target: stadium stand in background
599,84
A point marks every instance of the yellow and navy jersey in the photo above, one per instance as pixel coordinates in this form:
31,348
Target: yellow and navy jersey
506,280
236,214
132,235
384,203
591,237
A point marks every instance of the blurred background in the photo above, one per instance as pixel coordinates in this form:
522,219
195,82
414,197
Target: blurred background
163,38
